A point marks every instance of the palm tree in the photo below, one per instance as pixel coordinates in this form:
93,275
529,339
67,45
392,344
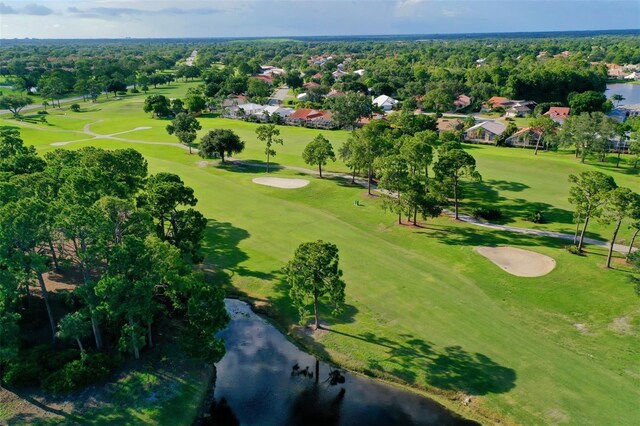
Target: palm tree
618,98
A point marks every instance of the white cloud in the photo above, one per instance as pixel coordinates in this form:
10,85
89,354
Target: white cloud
408,8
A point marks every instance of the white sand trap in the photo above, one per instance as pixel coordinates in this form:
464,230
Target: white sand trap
519,262
281,182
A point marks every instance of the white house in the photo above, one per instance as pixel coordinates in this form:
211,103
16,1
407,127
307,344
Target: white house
385,102
302,97
359,72
632,76
281,111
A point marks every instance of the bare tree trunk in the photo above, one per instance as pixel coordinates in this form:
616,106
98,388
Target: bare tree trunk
149,334
415,216
455,198
575,235
369,179
45,297
80,345
537,146
53,254
267,162
315,309
320,170
633,240
134,341
97,334
584,229
613,241
618,162
353,176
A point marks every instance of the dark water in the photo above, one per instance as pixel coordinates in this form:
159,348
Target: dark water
631,92
266,380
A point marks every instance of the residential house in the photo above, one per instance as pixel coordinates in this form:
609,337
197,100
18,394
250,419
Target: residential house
622,112
494,102
387,103
632,76
558,114
243,111
233,101
302,97
525,138
359,72
337,74
310,84
301,116
334,94
517,110
449,124
323,121
485,132
272,110
462,102
265,78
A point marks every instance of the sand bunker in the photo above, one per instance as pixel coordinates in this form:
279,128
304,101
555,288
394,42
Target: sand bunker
523,263
281,182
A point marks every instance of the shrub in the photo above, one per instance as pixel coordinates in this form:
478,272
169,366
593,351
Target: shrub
24,373
574,250
77,374
537,217
122,93
487,214
134,90
43,112
75,107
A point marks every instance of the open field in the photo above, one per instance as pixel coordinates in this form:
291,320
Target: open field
422,307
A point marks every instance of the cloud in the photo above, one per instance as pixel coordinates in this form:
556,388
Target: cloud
29,9
450,13
407,8
118,12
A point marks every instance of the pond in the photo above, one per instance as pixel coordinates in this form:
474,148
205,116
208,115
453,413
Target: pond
631,92
264,379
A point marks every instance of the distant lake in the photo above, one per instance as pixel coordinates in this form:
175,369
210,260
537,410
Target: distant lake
631,92
264,379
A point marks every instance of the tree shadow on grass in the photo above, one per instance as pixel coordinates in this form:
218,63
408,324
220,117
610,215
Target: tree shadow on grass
253,166
485,195
451,369
223,257
477,236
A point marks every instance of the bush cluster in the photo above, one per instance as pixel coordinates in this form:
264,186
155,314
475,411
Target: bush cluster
487,214
91,368
537,217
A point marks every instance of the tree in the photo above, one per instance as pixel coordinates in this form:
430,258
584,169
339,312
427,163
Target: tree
589,101
348,109
588,133
371,142
177,106
52,87
617,98
394,179
544,126
165,197
116,86
620,203
318,151
258,88
9,329
157,105
185,127
438,99
312,274
589,194
220,141
14,103
453,164
74,326
194,101
269,133
75,107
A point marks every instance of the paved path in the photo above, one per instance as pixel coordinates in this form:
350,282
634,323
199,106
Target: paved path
281,93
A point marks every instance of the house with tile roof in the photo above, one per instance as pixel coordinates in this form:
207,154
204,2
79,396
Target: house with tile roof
558,114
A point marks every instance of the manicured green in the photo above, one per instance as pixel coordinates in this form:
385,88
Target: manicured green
421,306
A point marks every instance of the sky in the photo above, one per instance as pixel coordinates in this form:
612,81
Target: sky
281,18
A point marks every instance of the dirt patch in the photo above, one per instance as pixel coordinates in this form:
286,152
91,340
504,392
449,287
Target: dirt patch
285,183
623,325
519,262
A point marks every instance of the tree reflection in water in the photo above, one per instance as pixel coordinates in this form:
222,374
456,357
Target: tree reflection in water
317,404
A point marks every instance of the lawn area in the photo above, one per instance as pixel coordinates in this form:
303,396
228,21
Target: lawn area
422,307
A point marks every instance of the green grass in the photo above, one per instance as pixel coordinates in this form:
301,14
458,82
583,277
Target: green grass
422,307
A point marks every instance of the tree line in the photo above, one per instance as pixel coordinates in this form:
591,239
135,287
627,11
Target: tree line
133,239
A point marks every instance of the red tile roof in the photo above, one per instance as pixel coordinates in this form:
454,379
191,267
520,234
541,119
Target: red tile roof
310,84
496,101
559,112
306,113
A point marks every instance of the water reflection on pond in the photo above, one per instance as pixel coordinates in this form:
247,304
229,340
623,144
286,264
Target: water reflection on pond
266,380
